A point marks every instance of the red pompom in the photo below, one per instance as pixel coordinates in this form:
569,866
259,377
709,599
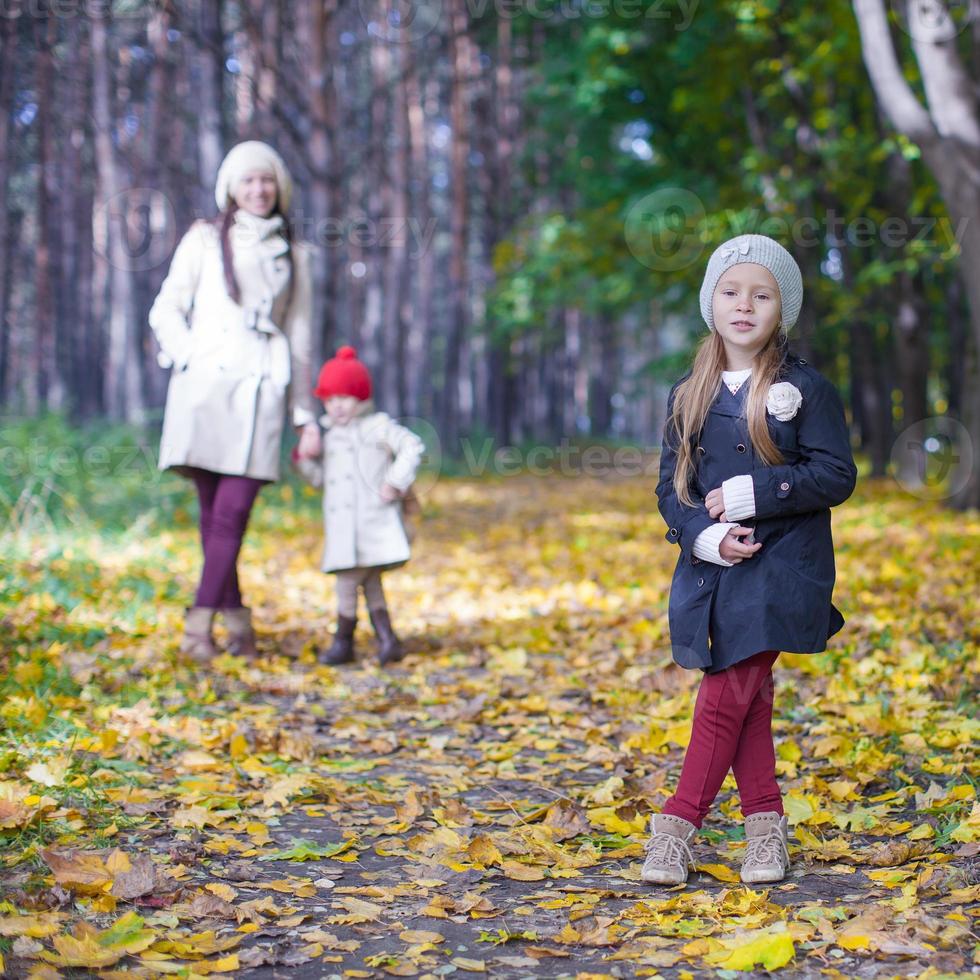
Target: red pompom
347,354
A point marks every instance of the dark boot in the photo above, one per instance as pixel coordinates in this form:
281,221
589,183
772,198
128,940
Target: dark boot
389,646
341,651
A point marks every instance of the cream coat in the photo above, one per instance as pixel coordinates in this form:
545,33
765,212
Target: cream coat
358,459
234,366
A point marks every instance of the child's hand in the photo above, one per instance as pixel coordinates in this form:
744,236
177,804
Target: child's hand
715,502
734,550
389,493
310,445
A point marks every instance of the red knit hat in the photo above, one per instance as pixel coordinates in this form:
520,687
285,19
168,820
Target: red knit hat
344,374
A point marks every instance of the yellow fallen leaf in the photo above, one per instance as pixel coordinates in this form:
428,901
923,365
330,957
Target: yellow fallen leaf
82,871
521,872
37,925
222,891
770,950
924,831
720,871
483,851
470,966
421,936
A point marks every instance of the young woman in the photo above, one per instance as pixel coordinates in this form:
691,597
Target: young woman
233,322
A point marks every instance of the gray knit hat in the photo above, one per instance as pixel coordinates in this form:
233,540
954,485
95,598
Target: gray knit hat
764,251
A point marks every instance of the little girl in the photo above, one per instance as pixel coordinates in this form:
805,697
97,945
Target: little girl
753,433
367,466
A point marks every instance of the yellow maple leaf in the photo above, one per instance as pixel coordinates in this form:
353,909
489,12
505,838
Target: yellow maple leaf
770,949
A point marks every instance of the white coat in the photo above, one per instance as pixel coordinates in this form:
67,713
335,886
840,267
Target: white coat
361,529
234,365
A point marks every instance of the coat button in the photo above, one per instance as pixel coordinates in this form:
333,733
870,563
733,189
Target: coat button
673,532
701,450
700,582
740,447
802,360
784,486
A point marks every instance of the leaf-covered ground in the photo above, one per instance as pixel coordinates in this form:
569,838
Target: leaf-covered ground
479,808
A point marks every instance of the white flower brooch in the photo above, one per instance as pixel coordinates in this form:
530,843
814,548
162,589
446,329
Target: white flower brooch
784,400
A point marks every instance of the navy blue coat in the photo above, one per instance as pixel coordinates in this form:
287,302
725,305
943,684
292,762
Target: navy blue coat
780,598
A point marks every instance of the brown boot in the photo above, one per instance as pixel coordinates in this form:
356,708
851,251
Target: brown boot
197,643
241,635
389,646
341,651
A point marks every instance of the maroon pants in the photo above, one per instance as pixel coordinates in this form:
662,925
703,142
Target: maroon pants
226,503
732,730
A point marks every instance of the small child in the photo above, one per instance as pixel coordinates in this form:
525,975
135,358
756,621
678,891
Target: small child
366,468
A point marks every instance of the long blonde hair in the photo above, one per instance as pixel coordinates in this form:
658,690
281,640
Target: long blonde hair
694,396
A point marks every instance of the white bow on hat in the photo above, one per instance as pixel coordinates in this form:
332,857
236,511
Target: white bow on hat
733,251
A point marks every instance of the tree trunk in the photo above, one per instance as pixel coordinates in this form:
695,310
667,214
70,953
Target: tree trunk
395,255
323,56
419,353
49,383
7,58
124,393
81,375
209,97
948,134
378,200
461,68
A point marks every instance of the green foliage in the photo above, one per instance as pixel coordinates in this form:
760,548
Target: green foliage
761,111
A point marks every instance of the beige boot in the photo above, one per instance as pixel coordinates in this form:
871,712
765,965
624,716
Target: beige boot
766,851
197,643
241,635
668,850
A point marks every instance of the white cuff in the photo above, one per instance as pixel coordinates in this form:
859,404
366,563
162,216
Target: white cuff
302,416
707,543
738,493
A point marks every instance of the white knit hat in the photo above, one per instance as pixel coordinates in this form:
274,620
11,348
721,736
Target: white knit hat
764,251
247,156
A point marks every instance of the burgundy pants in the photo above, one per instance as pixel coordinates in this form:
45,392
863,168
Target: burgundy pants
732,730
226,503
